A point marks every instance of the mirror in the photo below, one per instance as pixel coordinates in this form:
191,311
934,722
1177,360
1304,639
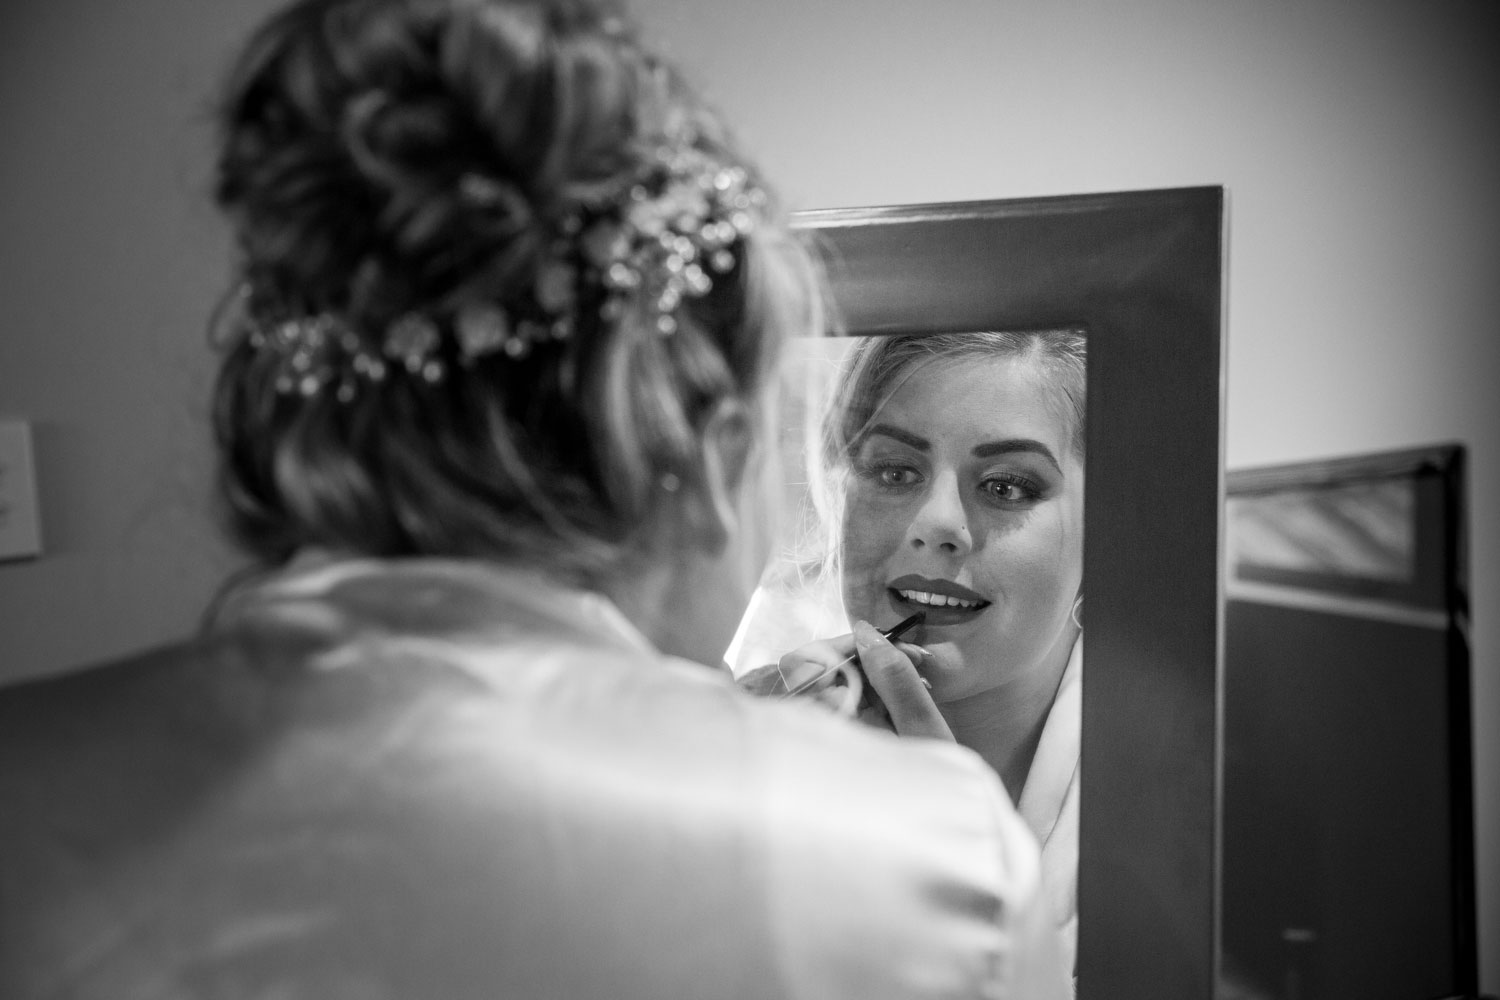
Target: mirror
1139,275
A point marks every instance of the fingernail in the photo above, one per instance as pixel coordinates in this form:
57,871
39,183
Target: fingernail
801,674
925,683
865,634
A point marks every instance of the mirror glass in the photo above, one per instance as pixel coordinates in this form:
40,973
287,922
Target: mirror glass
942,475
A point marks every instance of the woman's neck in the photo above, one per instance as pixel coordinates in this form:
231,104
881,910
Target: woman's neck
1004,724
683,605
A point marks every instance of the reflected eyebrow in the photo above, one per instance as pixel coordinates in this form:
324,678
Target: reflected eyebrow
992,448
905,437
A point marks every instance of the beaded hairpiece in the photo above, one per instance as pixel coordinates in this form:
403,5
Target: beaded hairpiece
661,241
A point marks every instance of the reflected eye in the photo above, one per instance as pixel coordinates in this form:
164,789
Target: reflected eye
1008,490
895,475
890,475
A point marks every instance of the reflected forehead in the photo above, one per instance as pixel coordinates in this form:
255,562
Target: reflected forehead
967,402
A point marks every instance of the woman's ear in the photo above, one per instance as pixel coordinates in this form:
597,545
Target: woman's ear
713,501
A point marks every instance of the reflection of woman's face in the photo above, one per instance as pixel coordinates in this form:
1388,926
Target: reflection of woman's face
966,501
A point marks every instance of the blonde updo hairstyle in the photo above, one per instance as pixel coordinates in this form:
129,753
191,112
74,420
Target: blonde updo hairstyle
348,129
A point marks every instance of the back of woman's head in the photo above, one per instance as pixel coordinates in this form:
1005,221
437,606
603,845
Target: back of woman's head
499,264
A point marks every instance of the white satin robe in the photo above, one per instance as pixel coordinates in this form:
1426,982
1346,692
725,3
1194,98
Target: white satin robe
429,779
1049,801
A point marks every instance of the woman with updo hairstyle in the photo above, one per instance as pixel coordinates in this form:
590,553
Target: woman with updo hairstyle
498,367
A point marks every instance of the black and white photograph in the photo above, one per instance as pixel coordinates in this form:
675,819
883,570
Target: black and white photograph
676,499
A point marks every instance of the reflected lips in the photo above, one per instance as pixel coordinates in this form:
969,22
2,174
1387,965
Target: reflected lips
946,602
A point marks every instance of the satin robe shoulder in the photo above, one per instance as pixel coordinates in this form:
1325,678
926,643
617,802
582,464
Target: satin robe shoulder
434,779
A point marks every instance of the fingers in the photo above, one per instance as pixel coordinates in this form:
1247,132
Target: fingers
885,689
842,698
823,671
894,678
762,681
815,664
872,713
916,654
776,680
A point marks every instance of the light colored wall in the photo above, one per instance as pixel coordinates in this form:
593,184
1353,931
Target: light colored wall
1358,143
110,261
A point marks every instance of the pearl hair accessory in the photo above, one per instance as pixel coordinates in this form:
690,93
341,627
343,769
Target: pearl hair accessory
659,241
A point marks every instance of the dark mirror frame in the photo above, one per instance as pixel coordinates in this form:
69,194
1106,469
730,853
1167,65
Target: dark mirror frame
1143,274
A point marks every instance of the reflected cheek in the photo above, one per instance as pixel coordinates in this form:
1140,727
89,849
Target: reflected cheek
868,542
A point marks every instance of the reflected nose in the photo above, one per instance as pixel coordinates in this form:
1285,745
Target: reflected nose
941,522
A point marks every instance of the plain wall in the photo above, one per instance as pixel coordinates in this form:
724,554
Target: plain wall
1358,142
